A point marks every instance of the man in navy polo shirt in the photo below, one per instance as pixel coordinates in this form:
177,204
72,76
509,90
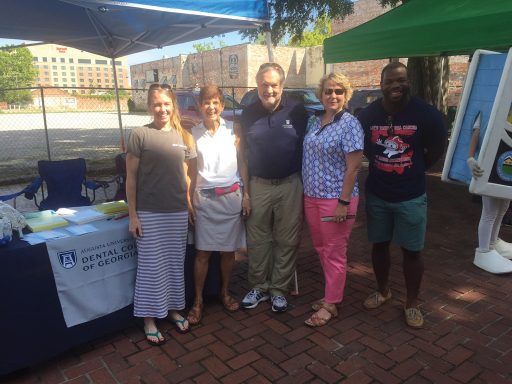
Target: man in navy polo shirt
272,132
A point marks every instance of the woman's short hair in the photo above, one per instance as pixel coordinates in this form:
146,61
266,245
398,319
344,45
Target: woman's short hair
340,80
209,92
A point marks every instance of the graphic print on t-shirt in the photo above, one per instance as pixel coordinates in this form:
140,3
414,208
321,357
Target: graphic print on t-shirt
393,153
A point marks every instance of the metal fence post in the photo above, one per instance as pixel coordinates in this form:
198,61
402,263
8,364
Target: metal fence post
45,124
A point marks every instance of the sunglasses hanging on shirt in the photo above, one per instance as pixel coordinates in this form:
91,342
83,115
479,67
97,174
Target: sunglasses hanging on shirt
391,128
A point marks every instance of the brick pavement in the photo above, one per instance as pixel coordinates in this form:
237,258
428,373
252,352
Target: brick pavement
467,337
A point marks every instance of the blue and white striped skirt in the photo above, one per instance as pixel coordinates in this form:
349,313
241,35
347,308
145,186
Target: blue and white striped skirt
160,282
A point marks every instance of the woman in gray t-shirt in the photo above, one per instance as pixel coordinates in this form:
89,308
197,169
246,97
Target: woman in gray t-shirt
157,193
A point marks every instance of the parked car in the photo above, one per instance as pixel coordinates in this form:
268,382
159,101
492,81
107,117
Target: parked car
361,98
306,96
188,105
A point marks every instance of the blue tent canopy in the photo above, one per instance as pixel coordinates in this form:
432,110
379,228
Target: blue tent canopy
119,28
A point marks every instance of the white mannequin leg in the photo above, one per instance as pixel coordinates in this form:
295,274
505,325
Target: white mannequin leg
492,261
486,257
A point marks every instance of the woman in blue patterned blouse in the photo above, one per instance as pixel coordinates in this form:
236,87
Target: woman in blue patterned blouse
333,151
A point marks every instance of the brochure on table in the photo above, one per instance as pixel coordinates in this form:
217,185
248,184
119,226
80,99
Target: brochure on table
65,222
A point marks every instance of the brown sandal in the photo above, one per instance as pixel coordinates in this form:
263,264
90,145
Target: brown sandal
317,305
195,314
322,316
230,304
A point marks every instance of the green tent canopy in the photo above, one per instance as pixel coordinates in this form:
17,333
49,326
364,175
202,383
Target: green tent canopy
426,28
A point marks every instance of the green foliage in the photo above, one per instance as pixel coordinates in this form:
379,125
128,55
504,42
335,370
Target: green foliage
208,46
292,17
100,94
321,30
16,71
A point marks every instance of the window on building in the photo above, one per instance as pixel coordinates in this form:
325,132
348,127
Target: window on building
34,59
72,74
55,80
46,73
81,80
62,60
80,68
55,73
71,60
118,62
45,66
72,67
63,74
104,62
64,80
84,61
45,59
54,59
47,79
54,67
89,69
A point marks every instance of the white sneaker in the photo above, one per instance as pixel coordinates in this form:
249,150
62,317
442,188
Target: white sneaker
503,248
492,261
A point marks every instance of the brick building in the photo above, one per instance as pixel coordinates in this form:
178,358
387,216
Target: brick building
236,66
233,66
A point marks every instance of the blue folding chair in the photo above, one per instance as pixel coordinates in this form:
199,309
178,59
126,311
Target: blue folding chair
29,191
62,183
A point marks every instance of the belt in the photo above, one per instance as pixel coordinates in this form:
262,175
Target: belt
276,181
219,191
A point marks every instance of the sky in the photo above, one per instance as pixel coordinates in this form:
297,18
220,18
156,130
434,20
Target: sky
229,39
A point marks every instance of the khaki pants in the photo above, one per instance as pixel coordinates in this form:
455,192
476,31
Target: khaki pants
273,232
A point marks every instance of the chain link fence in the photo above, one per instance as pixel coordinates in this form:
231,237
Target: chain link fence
64,123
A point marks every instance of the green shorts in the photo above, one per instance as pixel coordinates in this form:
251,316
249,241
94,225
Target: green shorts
404,222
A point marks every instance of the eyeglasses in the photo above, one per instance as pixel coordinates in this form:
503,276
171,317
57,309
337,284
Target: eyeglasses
391,129
337,91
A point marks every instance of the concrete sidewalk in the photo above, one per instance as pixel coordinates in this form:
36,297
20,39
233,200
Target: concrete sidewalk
467,336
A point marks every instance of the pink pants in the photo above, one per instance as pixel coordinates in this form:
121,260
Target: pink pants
330,241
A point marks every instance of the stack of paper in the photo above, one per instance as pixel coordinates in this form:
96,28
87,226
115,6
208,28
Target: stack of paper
85,215
112,207
44,220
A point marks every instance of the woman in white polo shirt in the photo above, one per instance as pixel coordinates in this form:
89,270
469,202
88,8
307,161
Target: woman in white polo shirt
219,201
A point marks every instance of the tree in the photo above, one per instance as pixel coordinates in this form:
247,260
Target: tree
293,17
322,29
429,75
207,46
16,71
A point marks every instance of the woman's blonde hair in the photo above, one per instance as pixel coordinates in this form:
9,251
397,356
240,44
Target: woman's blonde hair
175,117
340,80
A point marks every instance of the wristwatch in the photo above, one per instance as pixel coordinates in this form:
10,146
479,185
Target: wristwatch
343,202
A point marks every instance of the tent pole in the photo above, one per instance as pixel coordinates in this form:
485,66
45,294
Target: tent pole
118,104
268,39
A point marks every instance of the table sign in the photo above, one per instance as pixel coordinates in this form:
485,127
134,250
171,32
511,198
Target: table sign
95,272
